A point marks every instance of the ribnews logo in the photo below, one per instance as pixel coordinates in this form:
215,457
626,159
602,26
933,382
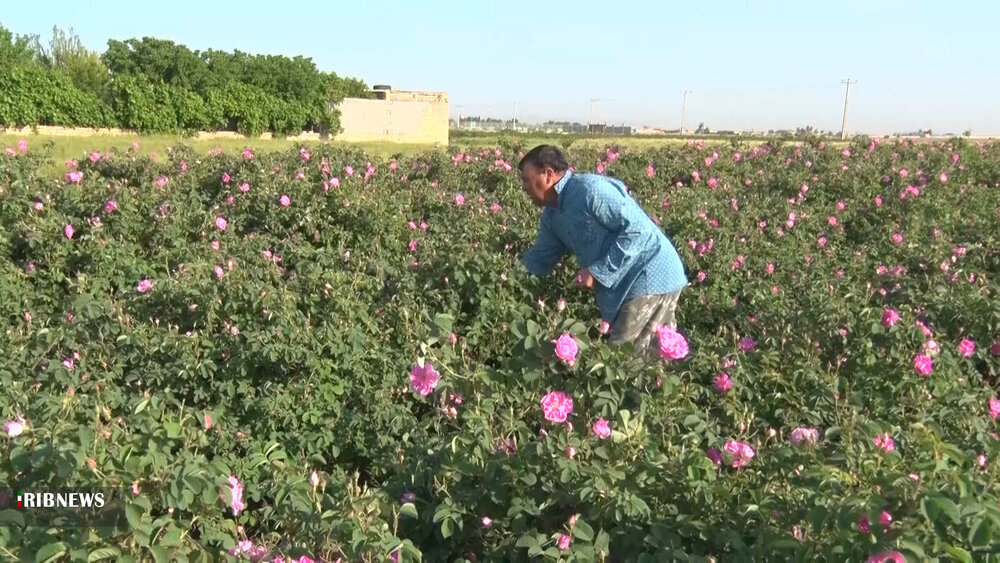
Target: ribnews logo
61,500
82,507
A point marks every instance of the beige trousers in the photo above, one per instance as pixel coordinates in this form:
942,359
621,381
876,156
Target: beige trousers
639,319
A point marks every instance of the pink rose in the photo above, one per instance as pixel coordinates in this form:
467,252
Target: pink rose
602,429
722,383
801,436
884,442
236,495
889,318
923,364
566,349
890,557
557,406
673,345
742,453
15,428
424,379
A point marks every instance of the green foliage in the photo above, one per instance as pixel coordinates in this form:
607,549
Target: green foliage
16,50
297,358
157,86
30,95
66,54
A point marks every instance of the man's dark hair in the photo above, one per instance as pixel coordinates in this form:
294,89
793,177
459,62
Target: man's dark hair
545,156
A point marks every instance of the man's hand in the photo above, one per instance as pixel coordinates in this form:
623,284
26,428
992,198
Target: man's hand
584,280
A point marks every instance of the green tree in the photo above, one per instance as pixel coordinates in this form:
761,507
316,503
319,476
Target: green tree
159,60
68,55
17,49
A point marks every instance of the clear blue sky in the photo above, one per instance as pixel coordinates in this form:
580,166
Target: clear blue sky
754,64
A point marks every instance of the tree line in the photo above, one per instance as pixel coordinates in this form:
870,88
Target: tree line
152,85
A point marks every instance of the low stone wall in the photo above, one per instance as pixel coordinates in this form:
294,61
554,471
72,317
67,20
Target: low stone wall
419,118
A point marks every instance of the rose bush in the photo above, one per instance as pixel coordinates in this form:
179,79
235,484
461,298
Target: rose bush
320,355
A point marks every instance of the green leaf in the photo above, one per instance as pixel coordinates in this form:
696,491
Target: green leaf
786,544
408,509
583,531
533,328
159,554
948,507
602,542
625,417
447,528
527,541
979,535
959,554
913,548
10,516
444,321
172,538
103,553
142,501
51,552
929,508
173,429
134,516
442,512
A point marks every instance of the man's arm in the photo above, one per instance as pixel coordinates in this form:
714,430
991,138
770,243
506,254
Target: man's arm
546,252
608,206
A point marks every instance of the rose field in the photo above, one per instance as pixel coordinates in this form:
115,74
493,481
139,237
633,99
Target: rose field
320,355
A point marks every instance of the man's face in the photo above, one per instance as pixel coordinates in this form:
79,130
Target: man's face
536,182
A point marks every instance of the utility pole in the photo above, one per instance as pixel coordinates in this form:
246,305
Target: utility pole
592,102
847,95
515,116
684,105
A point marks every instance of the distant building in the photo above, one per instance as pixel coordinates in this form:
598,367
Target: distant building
399,116
602,129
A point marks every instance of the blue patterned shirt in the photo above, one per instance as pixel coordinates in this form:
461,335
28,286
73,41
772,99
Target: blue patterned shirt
609,233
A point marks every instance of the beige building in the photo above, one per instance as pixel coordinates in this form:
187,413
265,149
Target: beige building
398,116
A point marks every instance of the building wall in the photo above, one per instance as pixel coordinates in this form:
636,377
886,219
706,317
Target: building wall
404,117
